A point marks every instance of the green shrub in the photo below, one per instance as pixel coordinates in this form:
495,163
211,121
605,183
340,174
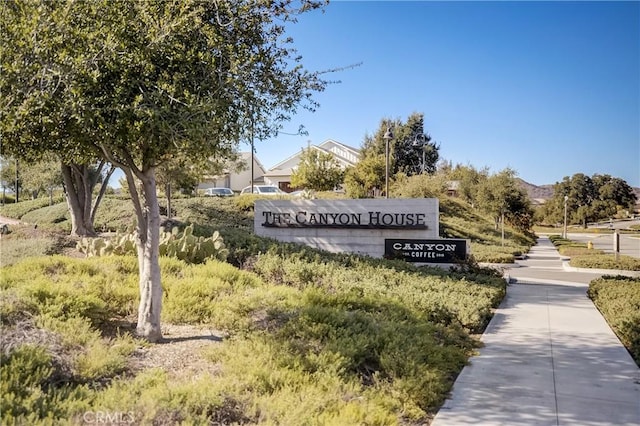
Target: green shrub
17,249
31,389
7,199
494,253
216,294
606,261
571,250
213,213
618,299
419,186
104,358
348,358
17,210
62,287
92,358
442,299
50,217
153,397
24,374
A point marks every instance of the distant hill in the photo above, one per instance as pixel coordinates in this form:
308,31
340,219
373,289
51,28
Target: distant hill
540,194
537,194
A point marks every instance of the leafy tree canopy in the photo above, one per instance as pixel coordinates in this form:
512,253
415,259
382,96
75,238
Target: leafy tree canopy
139,83
317,170
500,194
406,151
589,198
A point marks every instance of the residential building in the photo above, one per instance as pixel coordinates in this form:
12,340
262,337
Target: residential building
280,174
237,179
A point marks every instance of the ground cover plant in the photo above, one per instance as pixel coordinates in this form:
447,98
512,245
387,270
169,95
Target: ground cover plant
24,241
567,247
306,338
17,210
279,334
618,299
459,220
584,257
606,261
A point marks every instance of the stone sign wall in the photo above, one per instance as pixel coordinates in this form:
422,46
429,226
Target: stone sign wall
356,226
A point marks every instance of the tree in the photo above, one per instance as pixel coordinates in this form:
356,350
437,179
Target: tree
588,199
500,195
413,146
404,157
469,179
43,115
8,173
360,181
43,176
317,170
140,83
614,193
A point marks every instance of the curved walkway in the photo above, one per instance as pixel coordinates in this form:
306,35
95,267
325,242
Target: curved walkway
549,358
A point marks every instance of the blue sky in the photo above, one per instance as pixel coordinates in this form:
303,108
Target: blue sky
547,88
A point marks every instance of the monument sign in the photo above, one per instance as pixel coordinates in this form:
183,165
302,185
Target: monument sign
355,226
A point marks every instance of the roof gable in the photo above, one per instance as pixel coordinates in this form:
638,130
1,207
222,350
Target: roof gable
346,155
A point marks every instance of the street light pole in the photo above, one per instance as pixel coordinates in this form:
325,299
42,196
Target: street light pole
564,232
388,135
252,160
420,140
17,183
502,224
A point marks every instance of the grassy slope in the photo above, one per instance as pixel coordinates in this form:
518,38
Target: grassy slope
457,220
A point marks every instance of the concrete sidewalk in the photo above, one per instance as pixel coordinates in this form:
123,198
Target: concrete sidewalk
549,358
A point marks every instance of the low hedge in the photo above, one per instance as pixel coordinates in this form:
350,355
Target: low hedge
17,210
618,299
606,261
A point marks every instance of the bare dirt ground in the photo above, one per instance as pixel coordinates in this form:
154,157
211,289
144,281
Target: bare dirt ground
180,353
8,221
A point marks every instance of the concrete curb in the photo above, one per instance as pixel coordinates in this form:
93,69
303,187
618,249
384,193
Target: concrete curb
528,280
499,265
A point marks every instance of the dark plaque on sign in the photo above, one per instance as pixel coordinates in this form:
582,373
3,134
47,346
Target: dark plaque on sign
426,251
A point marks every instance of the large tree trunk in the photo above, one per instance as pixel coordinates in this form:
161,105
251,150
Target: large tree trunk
148,241
76,196
79,181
